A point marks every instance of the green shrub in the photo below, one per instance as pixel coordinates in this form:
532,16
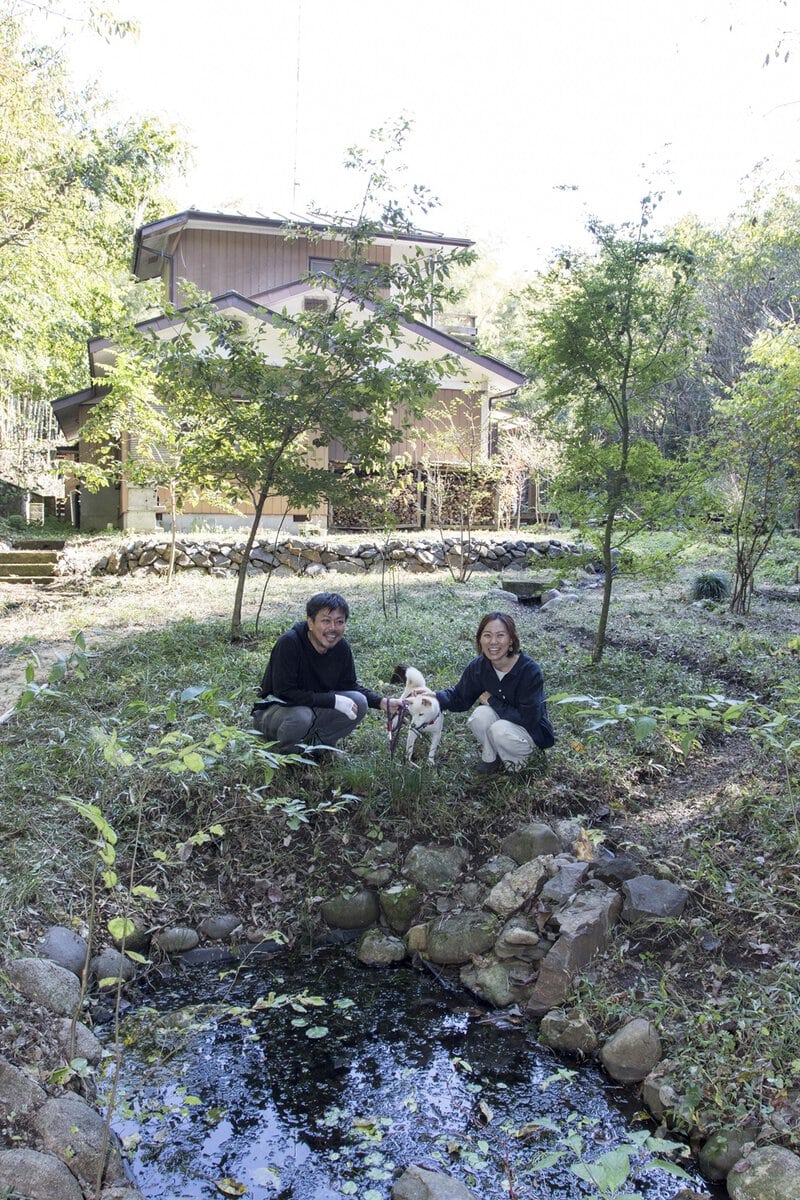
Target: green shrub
710,585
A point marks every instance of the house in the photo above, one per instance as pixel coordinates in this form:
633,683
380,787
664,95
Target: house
255,268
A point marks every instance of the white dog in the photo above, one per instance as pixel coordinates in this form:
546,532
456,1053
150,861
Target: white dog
424,711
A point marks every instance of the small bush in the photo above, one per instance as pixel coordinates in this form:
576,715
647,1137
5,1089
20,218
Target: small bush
711,585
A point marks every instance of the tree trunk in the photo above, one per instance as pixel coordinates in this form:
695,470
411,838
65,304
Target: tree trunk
173,512
236,619
600,636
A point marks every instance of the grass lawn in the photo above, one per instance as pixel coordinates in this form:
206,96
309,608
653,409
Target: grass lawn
680,746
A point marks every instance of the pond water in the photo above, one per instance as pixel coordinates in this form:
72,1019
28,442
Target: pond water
316,1079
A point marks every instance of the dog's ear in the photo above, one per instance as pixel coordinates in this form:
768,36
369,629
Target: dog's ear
426,701
399,673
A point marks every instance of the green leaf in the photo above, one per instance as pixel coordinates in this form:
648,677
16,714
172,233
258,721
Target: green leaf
194,762
150,893
120,928
317,1031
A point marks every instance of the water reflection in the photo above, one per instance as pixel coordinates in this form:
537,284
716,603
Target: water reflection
322,1080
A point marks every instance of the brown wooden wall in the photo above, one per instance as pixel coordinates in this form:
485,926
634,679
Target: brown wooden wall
435,439
222,260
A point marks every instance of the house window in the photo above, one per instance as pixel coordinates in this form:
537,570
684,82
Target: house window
343,269
315,304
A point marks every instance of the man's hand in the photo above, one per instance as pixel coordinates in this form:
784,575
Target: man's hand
390,705
484,698
344,704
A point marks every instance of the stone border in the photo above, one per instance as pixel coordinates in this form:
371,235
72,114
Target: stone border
314,556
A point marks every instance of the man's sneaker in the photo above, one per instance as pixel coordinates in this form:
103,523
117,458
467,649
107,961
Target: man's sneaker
489,768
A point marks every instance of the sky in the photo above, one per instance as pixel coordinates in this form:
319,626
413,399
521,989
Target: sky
528,116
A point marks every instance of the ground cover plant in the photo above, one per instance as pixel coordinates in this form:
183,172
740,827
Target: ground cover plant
131,787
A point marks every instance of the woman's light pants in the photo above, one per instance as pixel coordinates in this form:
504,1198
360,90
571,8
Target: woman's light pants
500,739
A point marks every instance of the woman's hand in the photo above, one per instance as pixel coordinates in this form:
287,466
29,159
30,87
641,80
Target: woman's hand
421,691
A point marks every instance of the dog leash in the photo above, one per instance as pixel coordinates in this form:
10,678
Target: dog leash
394,723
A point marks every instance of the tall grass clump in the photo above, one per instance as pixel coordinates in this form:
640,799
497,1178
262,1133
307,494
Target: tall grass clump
710,585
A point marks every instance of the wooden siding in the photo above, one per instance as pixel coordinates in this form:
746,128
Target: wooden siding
249,263
432,438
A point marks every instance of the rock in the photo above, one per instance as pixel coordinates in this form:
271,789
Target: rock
499,983
136,938
46,983
568,878
379,949
659,1094
73,1131
65,947
530,841
631,1053
175,938
723,1150
417,939
519,939
221,927
19,1094
400,905
110,964
648,898
350,910
569,1032
455,937
768,1173
86,1045
432,867
617,869
37,1176
519,886
118,1191
493,871
418,1184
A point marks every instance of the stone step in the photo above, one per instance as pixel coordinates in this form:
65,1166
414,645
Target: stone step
27,570
28,556
38,579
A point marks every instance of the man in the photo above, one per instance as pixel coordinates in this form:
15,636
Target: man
309,692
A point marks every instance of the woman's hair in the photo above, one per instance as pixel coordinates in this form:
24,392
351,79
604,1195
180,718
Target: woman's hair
511,630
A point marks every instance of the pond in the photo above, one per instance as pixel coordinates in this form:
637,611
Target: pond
316,1079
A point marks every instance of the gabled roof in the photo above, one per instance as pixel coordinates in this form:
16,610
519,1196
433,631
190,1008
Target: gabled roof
261,309
152,241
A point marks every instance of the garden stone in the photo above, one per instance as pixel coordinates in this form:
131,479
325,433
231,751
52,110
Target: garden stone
519,886
175,938
658,1092
493,871
519,939
592,911
417,939
418,1184
400,905
648,898
86,1044
630,1054
75,1132
568,878
498,983
455,937
65,947
19,1094
530,841
768,1173
110,964
617,869
379,949
568,1032
434,867
374,877
46,983
220,927
37,1176
350,910
723,1150
136,939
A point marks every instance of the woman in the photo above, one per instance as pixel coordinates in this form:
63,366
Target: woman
511,715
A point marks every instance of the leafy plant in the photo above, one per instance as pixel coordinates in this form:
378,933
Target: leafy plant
710,585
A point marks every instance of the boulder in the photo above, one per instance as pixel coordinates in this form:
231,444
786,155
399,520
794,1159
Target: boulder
65,947
19,1094
416,1183
85,1044
530,841
519,886
219,928
723,1150
768,1173
651,899
46,983
378,948
350,910
76,1133
37,1176
498,983
434,867
568,1032
400,905
630,1054
176,938
110,964
569,876
456,937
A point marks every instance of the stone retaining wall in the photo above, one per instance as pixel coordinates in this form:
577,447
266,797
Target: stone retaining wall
313,556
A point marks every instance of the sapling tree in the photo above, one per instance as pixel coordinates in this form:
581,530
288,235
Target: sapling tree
758,451
606,331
